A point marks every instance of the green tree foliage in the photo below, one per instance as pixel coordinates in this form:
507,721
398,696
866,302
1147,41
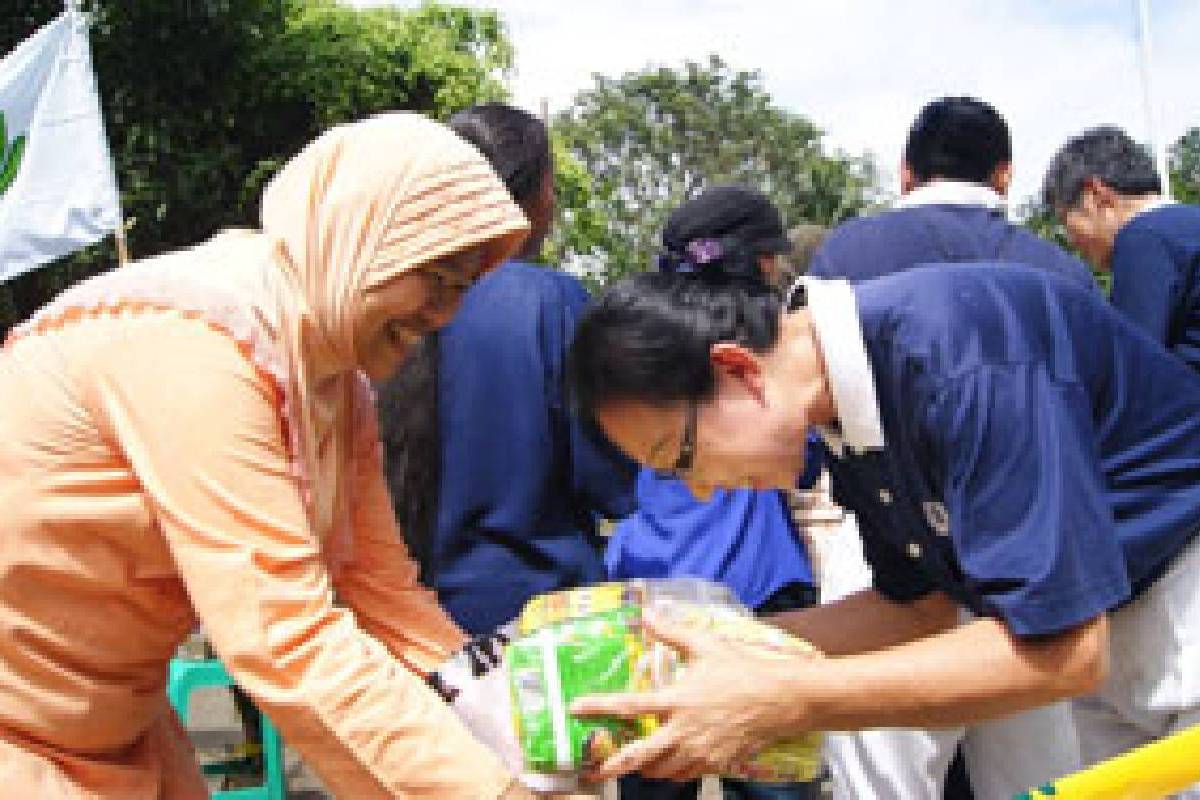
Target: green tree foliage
1041,219
1184,158
205,99
580,221
648,140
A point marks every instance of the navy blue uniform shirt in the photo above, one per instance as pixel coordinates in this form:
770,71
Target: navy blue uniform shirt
1042,455
1156,277
521,483
890,241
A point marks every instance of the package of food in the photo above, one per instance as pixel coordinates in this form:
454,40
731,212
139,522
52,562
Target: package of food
796,758
554,607
551,667
545,609
590,641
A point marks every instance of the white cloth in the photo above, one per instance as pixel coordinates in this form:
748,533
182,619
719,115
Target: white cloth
64,193
953,193
834,310
475,682
1153,688
1003,756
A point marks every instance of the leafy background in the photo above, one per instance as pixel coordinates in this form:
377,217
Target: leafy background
205,99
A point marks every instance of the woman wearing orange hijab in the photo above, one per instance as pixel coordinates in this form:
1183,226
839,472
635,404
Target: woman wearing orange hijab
190,439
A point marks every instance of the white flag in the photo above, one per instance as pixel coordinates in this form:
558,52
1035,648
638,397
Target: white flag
57,187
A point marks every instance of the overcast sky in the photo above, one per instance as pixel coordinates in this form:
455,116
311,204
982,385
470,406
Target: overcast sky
861,69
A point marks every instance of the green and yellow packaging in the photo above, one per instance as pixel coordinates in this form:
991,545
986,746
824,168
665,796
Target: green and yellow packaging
589,641
561,661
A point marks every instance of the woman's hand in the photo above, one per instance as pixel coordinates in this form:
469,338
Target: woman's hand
732,700
518,791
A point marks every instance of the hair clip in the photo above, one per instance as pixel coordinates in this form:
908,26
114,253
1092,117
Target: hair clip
703,251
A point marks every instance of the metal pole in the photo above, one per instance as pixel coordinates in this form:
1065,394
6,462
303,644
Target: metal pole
122,244
1158,149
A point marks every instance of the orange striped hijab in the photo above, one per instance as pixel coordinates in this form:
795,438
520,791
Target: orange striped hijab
356,208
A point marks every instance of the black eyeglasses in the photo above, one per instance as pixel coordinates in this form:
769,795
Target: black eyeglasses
687,445
447,283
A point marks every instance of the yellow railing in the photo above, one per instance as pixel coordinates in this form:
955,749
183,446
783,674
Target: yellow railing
1150,772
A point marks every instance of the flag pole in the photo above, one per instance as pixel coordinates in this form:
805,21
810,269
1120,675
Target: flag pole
122,243
1158,151
72,6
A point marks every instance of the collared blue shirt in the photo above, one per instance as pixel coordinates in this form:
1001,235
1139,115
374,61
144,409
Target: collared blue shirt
1156,276
890,241
1042,455
742,538
521,482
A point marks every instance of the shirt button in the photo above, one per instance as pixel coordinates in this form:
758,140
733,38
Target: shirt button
885,497
914,550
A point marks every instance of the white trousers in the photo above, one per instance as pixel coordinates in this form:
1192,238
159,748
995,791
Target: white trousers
1003,756
1153,688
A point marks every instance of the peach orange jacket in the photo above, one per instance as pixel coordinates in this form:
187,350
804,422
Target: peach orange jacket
145,485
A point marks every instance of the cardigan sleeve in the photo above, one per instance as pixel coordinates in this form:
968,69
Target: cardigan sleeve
379,580
201,429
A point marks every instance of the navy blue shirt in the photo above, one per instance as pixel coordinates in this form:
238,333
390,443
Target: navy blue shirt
1156,277
521,482
1042,454
880,244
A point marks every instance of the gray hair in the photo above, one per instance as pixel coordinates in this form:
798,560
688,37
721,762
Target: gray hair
1107,154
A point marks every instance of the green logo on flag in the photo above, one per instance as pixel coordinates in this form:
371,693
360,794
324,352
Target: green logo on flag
10,156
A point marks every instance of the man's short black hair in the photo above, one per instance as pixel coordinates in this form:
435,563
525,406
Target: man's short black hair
1105,153
957,138
515,142
647,338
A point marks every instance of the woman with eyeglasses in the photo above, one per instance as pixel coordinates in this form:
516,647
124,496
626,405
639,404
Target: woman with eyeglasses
744,538
190,439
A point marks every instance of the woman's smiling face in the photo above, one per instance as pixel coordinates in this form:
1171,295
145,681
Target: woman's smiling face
396,314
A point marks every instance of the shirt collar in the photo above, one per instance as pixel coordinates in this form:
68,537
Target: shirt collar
953,193
834,311
1156,203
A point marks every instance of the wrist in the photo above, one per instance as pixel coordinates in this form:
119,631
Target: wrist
793,698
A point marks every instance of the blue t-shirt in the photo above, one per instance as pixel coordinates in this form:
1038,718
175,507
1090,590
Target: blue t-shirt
521,480
1156,277
742,538
890,241
1042,456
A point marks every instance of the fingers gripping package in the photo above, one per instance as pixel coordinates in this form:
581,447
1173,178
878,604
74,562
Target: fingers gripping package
590,641
552,666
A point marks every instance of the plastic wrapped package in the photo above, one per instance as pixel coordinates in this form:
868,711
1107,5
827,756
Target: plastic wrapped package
545,609
551,667
590,641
